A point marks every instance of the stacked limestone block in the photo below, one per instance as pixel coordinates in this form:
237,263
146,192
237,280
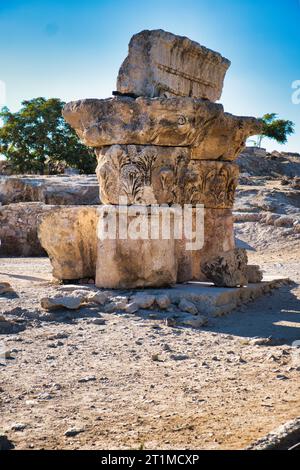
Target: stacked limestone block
163,140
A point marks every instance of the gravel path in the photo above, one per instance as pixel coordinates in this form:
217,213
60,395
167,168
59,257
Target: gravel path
135,382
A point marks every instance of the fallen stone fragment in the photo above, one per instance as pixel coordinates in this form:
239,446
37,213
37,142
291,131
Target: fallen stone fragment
253,273
55,303
5,288
132,307
229,269
73,432
188,306
5,443
8,326
89,378
116,305
179,357
18,427
99,298
156,358
163,301
98,321
144,300
196,321
263,341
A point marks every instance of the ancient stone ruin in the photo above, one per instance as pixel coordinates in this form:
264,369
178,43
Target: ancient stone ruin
161,140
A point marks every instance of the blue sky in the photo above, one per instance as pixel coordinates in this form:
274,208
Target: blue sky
73,49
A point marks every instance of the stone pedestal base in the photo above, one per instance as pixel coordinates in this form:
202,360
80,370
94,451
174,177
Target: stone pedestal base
135,252
218,238
128,254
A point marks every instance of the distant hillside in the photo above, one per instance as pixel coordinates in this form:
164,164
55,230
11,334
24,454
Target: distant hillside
257,162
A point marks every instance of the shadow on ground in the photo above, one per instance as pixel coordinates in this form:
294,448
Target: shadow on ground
276,315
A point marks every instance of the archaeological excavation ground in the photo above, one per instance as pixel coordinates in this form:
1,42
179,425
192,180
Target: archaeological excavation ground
155,304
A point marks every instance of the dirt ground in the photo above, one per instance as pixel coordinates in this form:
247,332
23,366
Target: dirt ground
218,387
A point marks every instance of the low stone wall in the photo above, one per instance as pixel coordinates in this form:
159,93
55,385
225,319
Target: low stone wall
60,190
18,229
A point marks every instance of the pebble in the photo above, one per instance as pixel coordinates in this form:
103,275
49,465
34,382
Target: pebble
281,377
18,427
155,358
89,378
98,321
179,357
73,432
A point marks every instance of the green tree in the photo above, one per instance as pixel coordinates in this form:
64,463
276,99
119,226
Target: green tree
276,129
37,139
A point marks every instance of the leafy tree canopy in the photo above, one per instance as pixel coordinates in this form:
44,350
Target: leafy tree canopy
37,139
276,129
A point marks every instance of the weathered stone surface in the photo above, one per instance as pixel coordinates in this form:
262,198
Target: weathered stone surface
162,175
129,263
53,190
226,137
69,237
163,64
285,437
195,321
67,302
253,273
18,229
172,122
143,300
218,238
211,183
229,269
160,121
142,174
163,301
6,288
188,306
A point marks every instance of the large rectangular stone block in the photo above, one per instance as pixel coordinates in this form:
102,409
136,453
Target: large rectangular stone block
126,259
69,237
163,64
